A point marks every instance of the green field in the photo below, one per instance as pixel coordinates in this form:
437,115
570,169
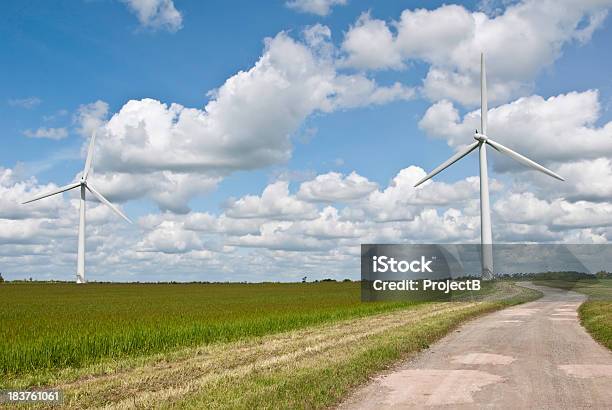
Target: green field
215,345
596,313
50,326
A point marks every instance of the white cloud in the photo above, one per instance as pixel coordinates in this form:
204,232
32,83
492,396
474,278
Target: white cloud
518,43
27,103
49,133
247,124
14,191
156,14
583,214
171,191
561,132
371,45
170,237
589,180
279,236
90,117
558,129
334,187
451,226
524,212
526,208
275,202
402,201
171,153
276,234
329,225
318,7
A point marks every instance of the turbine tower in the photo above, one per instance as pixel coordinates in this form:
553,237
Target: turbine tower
482,140
84,185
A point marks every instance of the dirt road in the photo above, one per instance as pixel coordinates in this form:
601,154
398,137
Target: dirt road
532,356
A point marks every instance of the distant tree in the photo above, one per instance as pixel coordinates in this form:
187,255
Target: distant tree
304,279
30,279
1,278
602,274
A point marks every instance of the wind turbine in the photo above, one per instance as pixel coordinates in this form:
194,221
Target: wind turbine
482,140
84,185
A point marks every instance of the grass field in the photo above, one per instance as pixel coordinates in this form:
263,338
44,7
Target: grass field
596,313
51,326
232,346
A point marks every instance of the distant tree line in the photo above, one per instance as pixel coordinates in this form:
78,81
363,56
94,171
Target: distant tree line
567,275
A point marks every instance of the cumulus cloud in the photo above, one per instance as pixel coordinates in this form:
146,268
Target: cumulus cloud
276,233
562,132
171,191
280,236
170,237
521,213
247,124
371,45
318,7
334,187
402,201
275,202
525,208
90,117
48,133
14,191
156,14
589,180
557,129
171,153
518,43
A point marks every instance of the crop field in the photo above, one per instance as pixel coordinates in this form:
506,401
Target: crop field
50,326
214,345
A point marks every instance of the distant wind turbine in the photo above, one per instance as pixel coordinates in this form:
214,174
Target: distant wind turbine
84,185
482,139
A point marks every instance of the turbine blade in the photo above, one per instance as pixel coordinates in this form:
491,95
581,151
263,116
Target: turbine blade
449,162
57,191
522,159
106,202
484,106
89,159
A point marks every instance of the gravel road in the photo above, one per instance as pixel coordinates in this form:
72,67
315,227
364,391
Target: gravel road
531,356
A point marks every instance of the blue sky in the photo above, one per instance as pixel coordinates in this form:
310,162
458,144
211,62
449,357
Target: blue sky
59,57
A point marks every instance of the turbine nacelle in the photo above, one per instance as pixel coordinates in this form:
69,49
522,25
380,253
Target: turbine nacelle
480,137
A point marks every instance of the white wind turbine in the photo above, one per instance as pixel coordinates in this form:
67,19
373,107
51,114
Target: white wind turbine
482,139
84,185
